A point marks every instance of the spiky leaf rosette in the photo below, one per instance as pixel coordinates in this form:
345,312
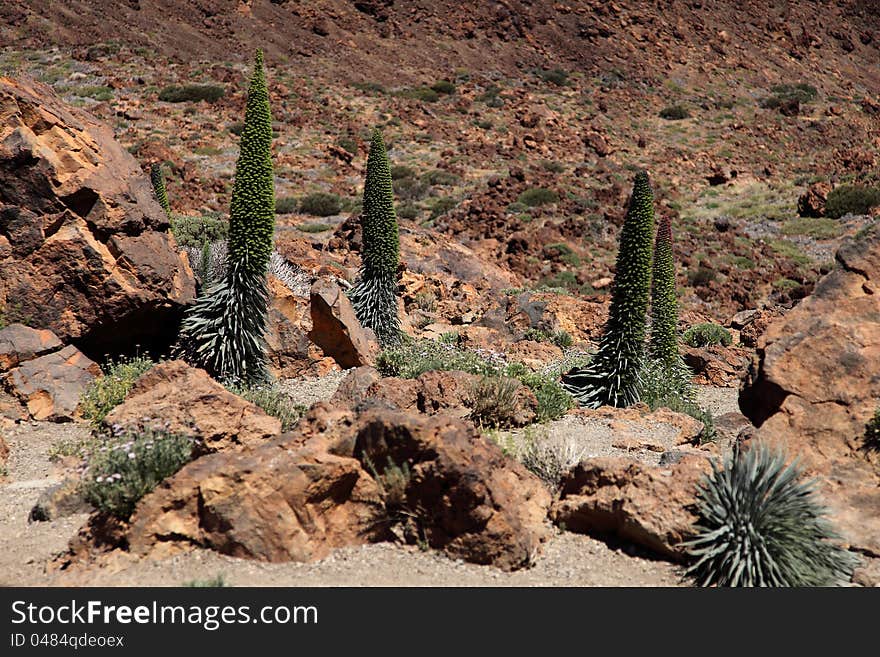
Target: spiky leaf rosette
223,332
760,525
157,178
374,295
612,376
252,214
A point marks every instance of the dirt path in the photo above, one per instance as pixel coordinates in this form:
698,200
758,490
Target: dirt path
566,560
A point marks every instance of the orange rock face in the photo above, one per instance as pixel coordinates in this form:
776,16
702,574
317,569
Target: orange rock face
84,247
816,382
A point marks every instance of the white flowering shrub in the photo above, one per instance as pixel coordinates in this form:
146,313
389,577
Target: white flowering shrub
130,464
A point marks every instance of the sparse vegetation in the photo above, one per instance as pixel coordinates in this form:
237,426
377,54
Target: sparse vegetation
285,204
706,335
128,466
273,401
443,87
157,179
320,204
675,113
196,231
537,196
314,228
108,391
192,93
554,76
851,199
493,401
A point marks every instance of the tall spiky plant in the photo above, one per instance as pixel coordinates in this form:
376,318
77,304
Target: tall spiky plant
760,525
374,296
223,332
157,178
613,375
665,365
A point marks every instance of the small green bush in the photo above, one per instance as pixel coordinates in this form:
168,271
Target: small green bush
441,206
191,93
408,211
128,466
706,334
274,402
855,199
415,357
285,204
215,582
195,231
400,171
443,87
537,196
410,189
441,177
108,391
314,228
555,76
99,93
320,204
675,113
701,276
552,166
493,402
424,94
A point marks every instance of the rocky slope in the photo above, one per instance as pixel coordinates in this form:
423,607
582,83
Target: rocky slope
729,175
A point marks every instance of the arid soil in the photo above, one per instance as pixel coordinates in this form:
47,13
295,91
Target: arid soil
27,548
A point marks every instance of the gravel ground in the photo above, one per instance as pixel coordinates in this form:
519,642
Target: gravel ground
309,391
566,560
718,401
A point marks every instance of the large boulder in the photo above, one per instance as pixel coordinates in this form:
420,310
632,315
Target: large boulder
647,505
40,378
335,327
328,484
85,249
465,496
270,504
815,383
187,401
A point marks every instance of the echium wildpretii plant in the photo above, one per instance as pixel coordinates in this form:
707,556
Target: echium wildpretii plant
665,372
157,179
223,332
374,295
613,375
760,525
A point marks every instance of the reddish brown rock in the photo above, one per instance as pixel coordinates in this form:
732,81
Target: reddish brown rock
815,383
335,328
190,402
289,350
84,247
646,505
812,202
19,343
716,365
467,498
304,493
50,386
271,504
